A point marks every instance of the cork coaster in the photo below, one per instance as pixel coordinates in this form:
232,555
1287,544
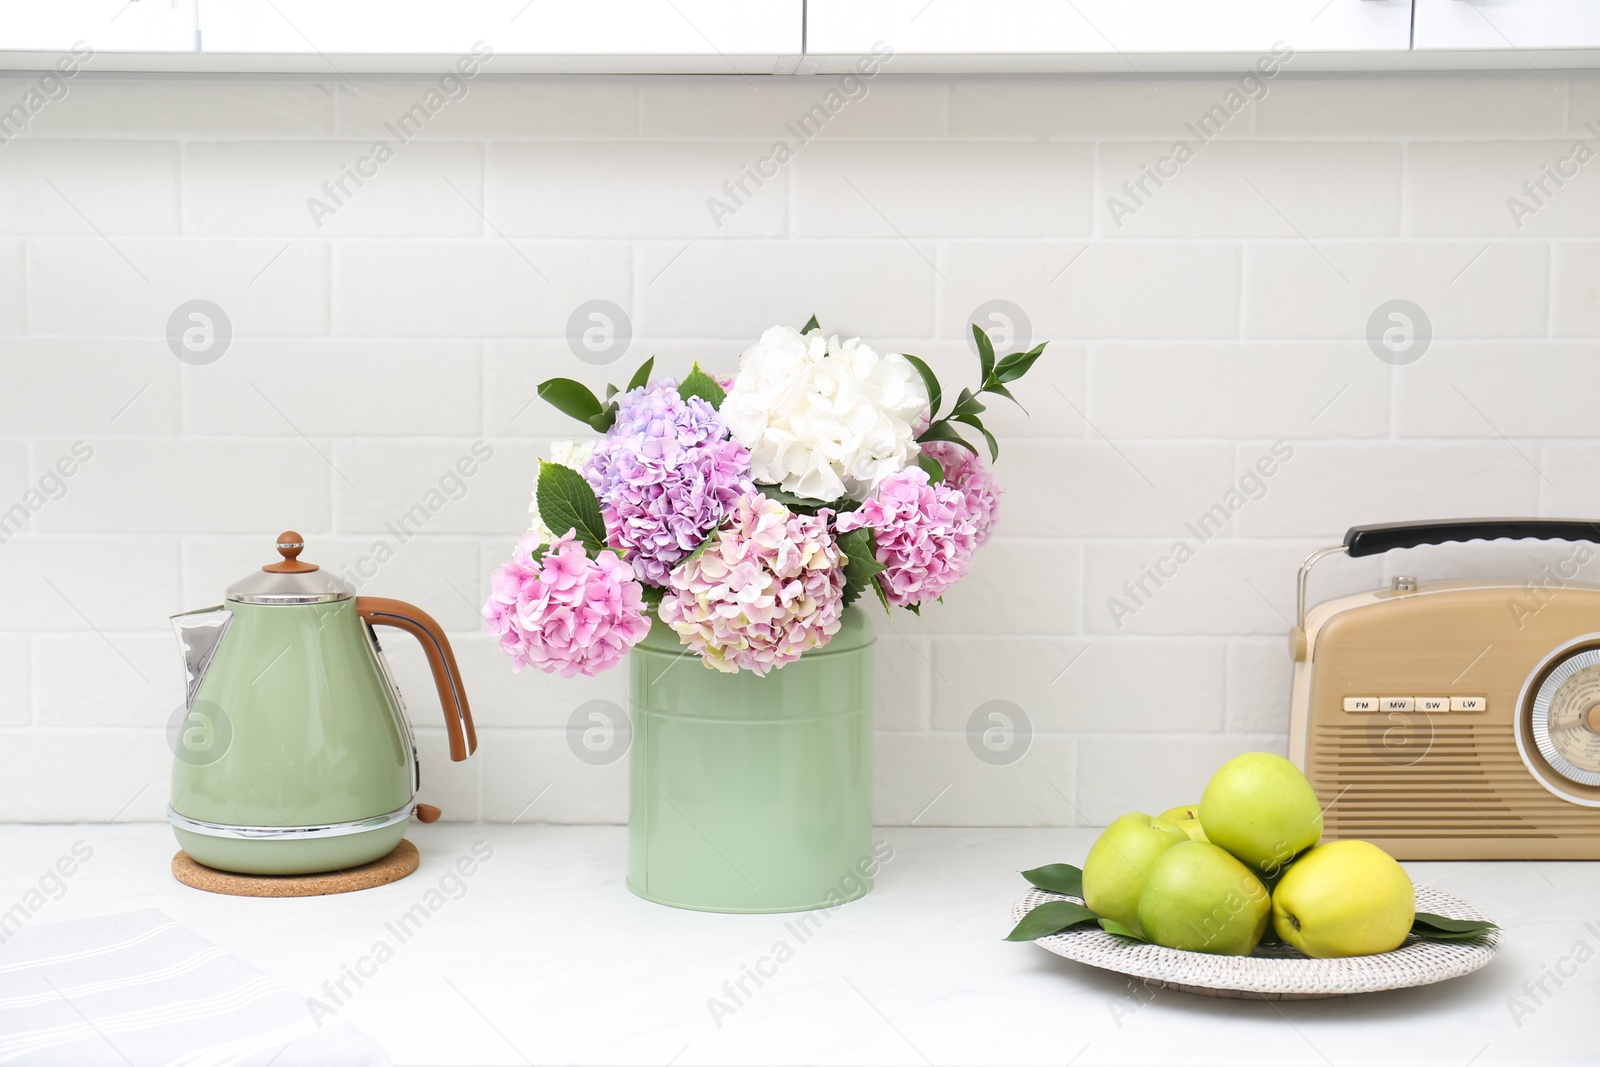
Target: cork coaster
391,868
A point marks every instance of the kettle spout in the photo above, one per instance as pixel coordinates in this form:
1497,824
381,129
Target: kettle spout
199,634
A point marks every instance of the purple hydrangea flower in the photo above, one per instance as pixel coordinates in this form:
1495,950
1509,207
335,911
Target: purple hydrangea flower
666,475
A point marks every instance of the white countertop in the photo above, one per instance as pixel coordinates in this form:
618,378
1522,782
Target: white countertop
545,957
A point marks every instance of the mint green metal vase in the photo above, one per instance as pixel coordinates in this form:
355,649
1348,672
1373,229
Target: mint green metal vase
751,794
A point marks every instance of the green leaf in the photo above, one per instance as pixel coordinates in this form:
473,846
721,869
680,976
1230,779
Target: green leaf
934,468
1111,926
1003,391
883,597
567,503
702,385
571,398
652,596
966,404
607,418
700,549
804,503
1017,364
641,376
972,420
811,324
943,431
985,351
915,609
930,381
1442,928
860,549
1061,878
1049,918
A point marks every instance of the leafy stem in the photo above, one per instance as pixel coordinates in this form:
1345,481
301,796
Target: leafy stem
996,374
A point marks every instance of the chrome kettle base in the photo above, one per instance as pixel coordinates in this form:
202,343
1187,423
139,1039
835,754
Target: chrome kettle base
290,849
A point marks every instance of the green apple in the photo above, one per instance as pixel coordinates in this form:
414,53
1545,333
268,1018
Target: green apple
1199,898
1193,828
1114,872
1345,898
1260,807
1181,813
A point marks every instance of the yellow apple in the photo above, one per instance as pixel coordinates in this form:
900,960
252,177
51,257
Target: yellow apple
1260,807
1345,898
1181,813
1193,828
1114,871
1199,898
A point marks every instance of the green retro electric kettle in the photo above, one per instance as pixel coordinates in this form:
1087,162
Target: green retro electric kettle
294,755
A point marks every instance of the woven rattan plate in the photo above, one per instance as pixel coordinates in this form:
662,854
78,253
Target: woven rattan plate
1276,972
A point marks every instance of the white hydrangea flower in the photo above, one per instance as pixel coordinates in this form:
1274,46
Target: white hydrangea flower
573,454
823,418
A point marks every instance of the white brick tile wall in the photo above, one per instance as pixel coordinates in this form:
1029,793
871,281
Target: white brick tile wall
1479,104
48,584
1200,391
267,188
489,288
591,190
16,679
13,288
1576,290
209,106
1113,107
268,288
1144,290
189,485
106,679
1082,686
370,354
1303,291
1250,189
1325,486
1463,391
93,388
887,108
1459,189
89,188
880,287
578,107
943,189
249,392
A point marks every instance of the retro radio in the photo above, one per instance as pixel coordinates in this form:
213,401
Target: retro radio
1455,720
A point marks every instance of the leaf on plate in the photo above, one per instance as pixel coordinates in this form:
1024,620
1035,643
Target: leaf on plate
1049,918
1061,878
1443,928
1111,926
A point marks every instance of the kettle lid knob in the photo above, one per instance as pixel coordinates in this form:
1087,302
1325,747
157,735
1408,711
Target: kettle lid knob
290,545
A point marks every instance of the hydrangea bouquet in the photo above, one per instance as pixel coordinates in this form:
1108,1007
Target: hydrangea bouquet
747,514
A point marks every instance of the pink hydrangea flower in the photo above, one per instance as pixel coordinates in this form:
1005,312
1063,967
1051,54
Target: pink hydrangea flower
768,587
924,533
565,612
964,471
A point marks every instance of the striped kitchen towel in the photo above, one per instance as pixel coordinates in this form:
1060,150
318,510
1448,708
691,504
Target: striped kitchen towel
138,989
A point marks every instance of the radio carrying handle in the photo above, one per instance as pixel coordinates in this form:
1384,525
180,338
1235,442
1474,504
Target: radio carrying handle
1378,538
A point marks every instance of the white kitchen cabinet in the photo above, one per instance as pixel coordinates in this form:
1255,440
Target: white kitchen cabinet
1009,35
713,36
54,27
1507,25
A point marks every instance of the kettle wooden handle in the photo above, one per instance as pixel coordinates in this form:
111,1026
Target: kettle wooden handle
381,611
